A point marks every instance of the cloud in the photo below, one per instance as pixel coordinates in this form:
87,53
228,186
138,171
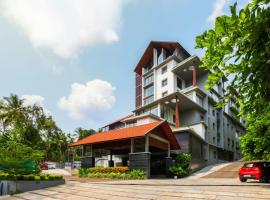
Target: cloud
30,100
88,101
65,26
217,10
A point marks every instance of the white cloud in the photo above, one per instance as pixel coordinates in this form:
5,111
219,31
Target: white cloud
30,100
88,101
218,7
65,26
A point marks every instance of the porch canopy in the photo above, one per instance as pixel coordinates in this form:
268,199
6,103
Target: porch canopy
159,131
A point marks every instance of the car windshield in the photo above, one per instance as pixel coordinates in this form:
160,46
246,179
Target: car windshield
249,165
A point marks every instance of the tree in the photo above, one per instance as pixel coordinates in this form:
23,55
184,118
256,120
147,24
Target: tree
256,144
82,133
30,126
239,47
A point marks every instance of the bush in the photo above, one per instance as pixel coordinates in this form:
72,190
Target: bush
111,172
181,167
30,177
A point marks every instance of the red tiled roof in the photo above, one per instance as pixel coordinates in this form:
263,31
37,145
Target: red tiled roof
127,133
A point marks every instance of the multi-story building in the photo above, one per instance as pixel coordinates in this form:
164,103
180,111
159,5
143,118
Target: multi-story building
170,86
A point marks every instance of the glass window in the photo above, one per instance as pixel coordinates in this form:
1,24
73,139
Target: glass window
199,100
164,82
149,79
149,91
214,126
213,112
179,83
148,100
164,93
164,70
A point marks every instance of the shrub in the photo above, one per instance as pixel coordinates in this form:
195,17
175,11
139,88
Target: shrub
117,175
181,167
30,177
108,169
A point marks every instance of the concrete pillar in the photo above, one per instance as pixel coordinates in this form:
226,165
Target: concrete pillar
132,145
111,162
155,57
194,80
168,165
146,143
176,113
140,161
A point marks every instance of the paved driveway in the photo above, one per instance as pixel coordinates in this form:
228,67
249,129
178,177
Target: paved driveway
204,188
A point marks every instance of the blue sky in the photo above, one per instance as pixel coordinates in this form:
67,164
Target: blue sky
49,46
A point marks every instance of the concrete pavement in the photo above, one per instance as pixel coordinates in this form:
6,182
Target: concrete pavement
220,189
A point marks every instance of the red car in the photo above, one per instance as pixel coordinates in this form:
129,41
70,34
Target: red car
43,166
255,170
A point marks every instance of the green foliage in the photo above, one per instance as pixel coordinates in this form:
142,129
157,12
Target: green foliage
181,167
30,127
239,47
83,133
255,145
30,177
16,158
111,172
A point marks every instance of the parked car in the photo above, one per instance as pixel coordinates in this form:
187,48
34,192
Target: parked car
255,170
43,166
51,165
76,164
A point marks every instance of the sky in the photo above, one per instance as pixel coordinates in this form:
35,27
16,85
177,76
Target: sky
76,58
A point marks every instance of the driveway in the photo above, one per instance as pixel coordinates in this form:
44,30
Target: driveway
203,188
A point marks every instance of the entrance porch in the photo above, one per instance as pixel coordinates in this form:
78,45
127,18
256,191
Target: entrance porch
146,147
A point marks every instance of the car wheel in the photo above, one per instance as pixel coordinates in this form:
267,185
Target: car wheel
263,179
243,179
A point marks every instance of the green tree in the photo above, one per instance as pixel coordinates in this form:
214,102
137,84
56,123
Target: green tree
30,126
82,133
239,47
256,144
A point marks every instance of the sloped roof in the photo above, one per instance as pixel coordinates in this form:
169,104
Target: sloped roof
119,120
149,52
130,132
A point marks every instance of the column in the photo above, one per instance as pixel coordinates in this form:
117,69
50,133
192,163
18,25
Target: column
194,81
176,113
111,162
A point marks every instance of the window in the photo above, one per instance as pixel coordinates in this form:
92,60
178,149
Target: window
164,70
202,118
179,83
149,79
213,112
214,126
199,100
164,93
149,91
147,69
164,82
148,100
214,140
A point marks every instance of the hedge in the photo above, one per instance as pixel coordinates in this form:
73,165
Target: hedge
30,177
111,172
